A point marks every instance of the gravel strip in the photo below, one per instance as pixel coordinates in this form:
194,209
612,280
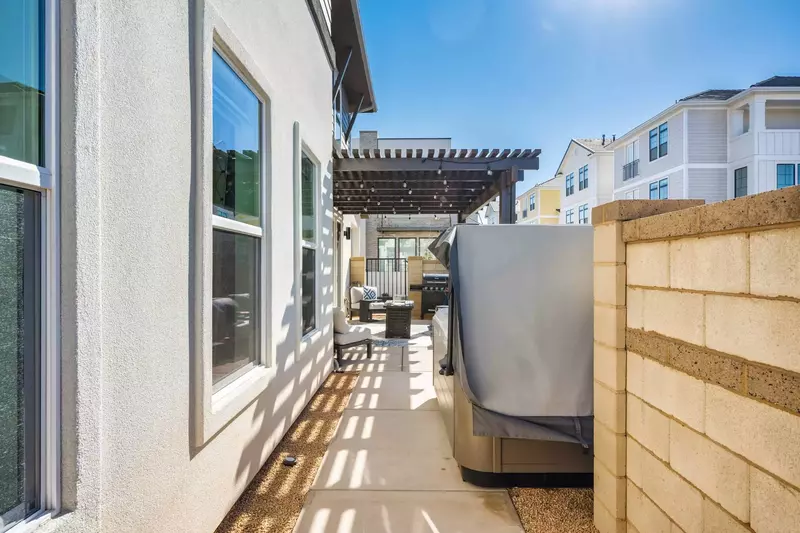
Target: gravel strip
554,510
273,500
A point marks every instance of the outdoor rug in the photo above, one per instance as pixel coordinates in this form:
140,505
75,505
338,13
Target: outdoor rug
273,500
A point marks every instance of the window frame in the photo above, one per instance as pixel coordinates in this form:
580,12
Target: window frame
656,187
583,177
663,131
737,176
569,183
794,169
44,180
569,216
583,214
532,202
212,409
397,246
305,150
242,228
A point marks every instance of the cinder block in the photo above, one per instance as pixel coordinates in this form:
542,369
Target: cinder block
610,489
609,284
609,326
633,462
643,513
756,329
609,408
609,449
648,264
674,392
631,528
649,427
774,260
774,507
634,301
635,372
717,472
609,366
608,245
762,434
678,499
716,520
675,529
710,263
604,521
675,314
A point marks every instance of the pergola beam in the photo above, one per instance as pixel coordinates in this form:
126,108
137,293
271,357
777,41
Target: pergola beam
411,165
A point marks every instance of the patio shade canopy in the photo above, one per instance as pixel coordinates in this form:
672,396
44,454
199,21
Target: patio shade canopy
417,181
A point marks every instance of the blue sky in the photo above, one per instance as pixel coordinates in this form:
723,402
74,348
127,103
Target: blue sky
535,73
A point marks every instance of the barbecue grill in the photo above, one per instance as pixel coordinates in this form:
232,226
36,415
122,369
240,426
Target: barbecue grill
435,291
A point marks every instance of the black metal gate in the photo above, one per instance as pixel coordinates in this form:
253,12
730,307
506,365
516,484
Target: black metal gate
390,276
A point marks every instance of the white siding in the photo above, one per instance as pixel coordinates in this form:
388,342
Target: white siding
768,173
707,136
779,143
709,184
674,157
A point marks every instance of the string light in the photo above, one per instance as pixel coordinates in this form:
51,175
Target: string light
372,189
488,170
410,191
361,184
405,184
440,169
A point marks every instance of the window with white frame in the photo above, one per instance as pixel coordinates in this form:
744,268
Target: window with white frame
659,190
583,214
569,216
29,230
631,167
308,272
532,202
632,194
237,181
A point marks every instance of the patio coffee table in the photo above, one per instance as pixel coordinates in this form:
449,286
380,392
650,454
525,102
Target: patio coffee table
398,319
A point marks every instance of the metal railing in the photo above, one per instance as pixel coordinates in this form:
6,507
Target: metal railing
630,170
390,276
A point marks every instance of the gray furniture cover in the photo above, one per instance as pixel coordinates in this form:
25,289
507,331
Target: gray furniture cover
521,328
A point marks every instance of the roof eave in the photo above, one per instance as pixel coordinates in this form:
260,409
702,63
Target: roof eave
347,34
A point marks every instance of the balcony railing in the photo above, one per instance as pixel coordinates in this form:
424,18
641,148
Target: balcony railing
390,276
630,170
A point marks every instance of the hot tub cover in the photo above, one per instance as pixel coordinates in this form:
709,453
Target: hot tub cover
521,328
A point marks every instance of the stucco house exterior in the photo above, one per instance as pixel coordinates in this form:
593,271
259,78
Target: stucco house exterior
714,145
586,169
541,204
169,251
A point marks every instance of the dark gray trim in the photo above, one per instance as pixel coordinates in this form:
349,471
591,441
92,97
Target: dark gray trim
322,29
409,164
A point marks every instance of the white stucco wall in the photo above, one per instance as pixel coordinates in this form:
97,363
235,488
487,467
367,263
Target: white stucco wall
129,464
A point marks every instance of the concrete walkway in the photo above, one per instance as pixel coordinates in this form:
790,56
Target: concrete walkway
390,467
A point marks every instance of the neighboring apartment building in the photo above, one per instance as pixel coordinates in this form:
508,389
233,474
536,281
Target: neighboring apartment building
587,173
541,204
168,252
401,236
714,145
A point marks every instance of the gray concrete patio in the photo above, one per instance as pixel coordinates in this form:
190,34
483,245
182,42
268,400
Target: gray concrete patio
390,467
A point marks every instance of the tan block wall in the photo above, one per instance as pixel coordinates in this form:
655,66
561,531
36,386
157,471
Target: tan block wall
697,365
358,271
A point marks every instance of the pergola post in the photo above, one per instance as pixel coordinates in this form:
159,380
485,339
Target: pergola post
508,197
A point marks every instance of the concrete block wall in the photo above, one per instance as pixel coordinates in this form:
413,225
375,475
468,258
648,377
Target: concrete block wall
697,365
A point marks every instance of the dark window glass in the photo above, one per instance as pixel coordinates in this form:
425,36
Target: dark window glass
740,182
785,176
653,144
237,146
309,276
583,177
654,190
406,247
308,174
583,214
19,353
663,138
570,183
22,80
235,307
532,202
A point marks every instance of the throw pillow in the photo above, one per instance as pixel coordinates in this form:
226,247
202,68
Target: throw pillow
370,293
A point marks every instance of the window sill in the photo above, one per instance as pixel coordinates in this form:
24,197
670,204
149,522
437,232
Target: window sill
32,523
228,402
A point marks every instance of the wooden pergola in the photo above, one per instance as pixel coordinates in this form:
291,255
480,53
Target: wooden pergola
416,181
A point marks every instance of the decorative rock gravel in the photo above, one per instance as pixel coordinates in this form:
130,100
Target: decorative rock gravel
554,510
273,500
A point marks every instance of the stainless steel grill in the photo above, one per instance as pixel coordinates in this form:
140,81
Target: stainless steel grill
435,291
